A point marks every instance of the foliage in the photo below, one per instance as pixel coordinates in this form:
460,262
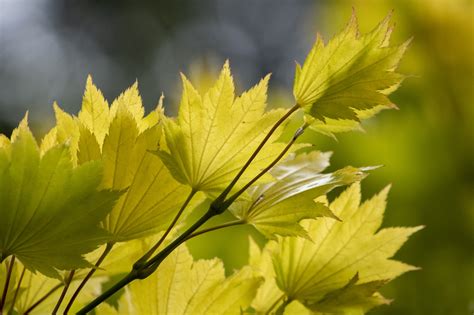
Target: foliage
50,211
129,181
215,133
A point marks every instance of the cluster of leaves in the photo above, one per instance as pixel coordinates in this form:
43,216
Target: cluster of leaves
114,177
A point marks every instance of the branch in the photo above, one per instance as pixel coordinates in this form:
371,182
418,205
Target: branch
217,227
145,257
143,271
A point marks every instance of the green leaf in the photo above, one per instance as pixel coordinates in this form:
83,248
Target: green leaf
184,286
317,272
277,207
350,77
215,134
50,211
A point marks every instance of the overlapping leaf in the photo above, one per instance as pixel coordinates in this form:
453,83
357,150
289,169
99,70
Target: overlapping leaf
340,270
349,78
277,207
50,211
34,287
122,138
215,134
183,286
269,292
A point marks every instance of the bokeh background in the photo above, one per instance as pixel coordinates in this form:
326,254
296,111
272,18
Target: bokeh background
48,47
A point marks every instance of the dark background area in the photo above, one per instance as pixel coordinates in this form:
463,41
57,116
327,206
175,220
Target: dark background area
47,48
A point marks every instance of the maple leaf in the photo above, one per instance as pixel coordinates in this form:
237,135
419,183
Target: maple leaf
215,134
184,286
50,210
349,78
346,262
277,207
122,138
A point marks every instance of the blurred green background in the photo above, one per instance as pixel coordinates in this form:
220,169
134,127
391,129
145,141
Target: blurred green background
427,148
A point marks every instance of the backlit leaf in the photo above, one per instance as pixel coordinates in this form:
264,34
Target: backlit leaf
321,273
94,113
184,286
36,286
215,133
350,77
277,207
122,139
50,210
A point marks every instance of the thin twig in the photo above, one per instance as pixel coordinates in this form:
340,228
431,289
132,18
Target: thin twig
91,272
298,133
3,301
258,149
17,290
217,227
67,282
150,252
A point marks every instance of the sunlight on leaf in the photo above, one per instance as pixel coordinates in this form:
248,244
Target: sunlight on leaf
215,133
122,138
349,78
184,286
36,286
50,211
277,207
346,262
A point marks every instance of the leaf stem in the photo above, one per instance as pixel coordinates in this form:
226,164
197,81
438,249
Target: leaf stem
217,227
297,133
108,248
7,284
150,252
67,282
44,298
17,290
258,149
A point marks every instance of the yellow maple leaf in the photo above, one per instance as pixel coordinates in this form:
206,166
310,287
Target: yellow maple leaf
345,263
215,134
